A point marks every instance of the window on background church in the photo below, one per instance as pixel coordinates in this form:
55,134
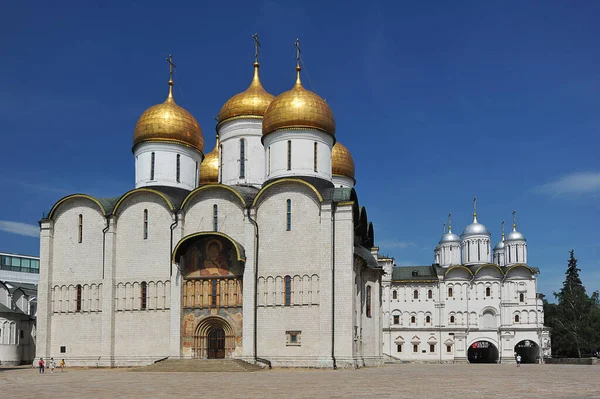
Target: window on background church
399,348
431,348
451,319
213,299
478,250
415,348
289,155
468,251
368,301
315,154
449,292
428,319
145,224
517,318
78,298
509,255
488,291
215,217
396,319
394,294
152,162
521,297
288,291
289,215
448,348
430,294
413,320
416,294
242,159
143,295
178,168
80,229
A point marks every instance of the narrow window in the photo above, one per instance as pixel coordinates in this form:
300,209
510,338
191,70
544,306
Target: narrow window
396,319
516,253
21,334
368,301
220,162
450,292
430,294
488,291
289,215
143,295
315,155
152,159
428,319
416,294
269,160
78,298
415,348
521,297
80,233
242,159
468,251
215,217
509,255
394,294
413,320
288,291
517,318
145,224
197,180
478,250
178,168
214,293
399,348
451,319
289,155
63,349
448,349
431,348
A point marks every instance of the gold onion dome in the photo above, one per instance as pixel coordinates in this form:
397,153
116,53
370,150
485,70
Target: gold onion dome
298,108
342,163
209,168
168,122
251,103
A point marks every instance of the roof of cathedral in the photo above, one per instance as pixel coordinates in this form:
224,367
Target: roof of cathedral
367,256
250,103
298,108
431,273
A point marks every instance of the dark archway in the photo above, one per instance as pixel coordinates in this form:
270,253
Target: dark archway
482,352
528,350
216,343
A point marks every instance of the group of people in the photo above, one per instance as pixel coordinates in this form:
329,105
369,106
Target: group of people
51,365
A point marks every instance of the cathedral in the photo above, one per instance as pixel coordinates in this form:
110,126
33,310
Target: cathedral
472,304
257,250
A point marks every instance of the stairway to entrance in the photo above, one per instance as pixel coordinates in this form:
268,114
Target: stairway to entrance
199,366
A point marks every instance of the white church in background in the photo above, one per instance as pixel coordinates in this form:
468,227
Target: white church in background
473,304
257,251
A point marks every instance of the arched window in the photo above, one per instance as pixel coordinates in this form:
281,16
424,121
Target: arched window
368,301
289,155
396,319
450,292
197,178
451,319
289,215
415,348
242,159
78,298
448,348
215,217
269,160
516,253
288,291
398,347
521,297
478,250
178,171
80,229
152,162
315,155
468,251
431,348
220,162
509,255
394,294
143,295
428,319
416,294
413,320
145,224
430,294
517,318
214,293
488,291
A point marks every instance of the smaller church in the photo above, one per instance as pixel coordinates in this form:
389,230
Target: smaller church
473,304
257,250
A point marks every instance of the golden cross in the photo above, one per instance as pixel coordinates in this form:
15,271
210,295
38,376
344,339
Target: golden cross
171,66
256,47
297,44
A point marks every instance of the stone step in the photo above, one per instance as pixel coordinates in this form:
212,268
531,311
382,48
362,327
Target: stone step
199,365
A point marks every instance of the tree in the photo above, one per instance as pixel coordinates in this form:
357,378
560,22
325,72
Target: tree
575,318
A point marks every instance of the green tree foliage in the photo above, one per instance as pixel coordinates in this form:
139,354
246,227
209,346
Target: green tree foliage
575,319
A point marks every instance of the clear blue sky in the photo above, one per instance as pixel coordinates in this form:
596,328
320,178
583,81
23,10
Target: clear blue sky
437,101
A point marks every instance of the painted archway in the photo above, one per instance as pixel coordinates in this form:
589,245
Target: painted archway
214,338
482,351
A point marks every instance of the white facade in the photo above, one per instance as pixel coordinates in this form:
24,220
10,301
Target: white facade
166,164
241,152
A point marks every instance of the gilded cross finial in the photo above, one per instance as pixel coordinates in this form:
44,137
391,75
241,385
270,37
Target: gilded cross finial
449,222
171,66
256,47
297,44
503,230
514,220
474,209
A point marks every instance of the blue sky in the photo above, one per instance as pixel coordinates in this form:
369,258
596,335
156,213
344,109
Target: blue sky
437,101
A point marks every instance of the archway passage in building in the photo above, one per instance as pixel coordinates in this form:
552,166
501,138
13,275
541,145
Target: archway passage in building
216,343
482,352
528,350
214,339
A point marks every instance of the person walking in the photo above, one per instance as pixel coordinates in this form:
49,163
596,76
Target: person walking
518,360
62,365
52,365
41,365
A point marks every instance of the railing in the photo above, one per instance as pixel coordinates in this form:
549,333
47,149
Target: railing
264,361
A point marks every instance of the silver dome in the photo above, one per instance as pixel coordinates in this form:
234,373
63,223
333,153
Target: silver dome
475,229
499,246
515,236
449,237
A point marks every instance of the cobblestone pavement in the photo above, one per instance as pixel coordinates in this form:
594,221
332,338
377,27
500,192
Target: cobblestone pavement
433,381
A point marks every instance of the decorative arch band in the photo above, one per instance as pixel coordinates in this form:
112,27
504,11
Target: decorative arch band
239,250
286,180
72,197
212,186
142,190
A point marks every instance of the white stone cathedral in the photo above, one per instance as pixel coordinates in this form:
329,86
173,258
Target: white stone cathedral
257,251
472,304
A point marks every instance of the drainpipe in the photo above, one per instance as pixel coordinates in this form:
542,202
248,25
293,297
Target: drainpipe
172,227
104,230
333,285
256,241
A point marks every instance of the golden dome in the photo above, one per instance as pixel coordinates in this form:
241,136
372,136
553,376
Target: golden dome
341,161
298,108
209,168
251,103
170,123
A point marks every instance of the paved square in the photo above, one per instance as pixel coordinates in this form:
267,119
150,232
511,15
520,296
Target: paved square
395,381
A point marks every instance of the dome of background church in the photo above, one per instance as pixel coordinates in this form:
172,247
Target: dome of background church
298,108
499,246
209,168
168,122
449,237
515,235
341,161
475,228
250,103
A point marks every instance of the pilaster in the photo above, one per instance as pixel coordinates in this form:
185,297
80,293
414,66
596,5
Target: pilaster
107,349
44,312
176,291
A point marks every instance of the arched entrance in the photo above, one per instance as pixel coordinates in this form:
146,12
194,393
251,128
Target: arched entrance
528,350
482,352
214,339
216,343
